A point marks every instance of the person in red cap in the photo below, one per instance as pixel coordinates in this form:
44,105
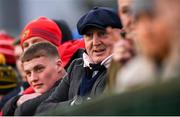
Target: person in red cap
6,47
46,30
41,29
8,78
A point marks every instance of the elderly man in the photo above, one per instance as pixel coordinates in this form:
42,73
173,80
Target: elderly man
43,69
87,76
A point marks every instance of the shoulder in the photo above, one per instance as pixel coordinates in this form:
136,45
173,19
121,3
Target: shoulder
75,63
78,61
10,106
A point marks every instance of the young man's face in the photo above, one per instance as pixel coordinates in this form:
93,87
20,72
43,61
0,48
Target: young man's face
42,73
98,43
27,43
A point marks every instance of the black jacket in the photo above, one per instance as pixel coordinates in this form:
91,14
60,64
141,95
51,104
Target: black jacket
21,87
67,90
28,108
159,99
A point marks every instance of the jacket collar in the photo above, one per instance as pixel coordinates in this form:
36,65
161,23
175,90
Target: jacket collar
87,60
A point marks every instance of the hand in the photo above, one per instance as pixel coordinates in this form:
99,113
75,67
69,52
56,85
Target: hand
114,33
26,97
123,50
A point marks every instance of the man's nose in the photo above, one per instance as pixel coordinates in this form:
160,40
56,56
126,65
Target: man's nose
128,26
33,77
96,40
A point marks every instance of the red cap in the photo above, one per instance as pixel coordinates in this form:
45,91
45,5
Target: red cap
44,28
6,47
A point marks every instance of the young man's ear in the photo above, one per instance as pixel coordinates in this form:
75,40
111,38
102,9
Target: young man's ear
59,64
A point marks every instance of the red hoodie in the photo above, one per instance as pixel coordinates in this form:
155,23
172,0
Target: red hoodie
67,49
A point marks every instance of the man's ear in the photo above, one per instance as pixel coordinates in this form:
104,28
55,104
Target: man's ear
59,64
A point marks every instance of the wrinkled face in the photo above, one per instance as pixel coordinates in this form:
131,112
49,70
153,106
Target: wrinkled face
42,73
27,43
98,44
152,35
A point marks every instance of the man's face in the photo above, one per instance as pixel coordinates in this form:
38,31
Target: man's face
98,44
171,17
152,35
125,13
42,73
27,43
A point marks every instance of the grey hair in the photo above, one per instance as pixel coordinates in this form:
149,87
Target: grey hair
140,7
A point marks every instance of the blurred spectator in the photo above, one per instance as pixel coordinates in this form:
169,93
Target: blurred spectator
66,31
129,77
7,48
124,49
8,80
22,84
2,59
18,52
8,75
158,54
170,21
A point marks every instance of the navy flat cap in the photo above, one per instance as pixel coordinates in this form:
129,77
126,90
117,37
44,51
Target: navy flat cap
100,17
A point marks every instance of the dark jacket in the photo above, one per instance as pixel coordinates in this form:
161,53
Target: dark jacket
28,108
67,90
21,87
160,99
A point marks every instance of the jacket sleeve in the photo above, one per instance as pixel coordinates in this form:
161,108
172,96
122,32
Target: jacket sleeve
59,97
10,107
29,107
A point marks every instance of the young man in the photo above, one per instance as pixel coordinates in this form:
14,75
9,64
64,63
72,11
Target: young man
87,76
43,69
